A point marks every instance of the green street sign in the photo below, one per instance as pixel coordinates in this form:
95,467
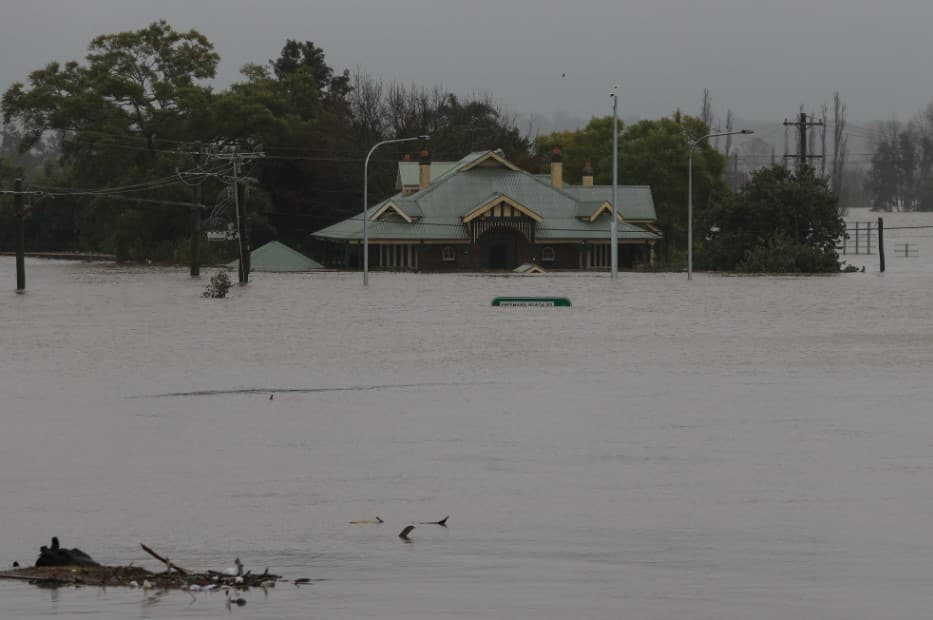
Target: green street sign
532,302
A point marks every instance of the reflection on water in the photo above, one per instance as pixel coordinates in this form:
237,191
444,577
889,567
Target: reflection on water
734,447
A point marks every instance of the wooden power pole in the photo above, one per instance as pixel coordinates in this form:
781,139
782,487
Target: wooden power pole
20,214
195,258
802,125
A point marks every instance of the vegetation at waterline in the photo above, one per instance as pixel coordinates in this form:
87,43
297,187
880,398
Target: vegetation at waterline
780,222
132,124
122,141
901,174
219,286
653,153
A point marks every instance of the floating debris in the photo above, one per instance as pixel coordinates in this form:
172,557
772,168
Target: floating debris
56,555
173,578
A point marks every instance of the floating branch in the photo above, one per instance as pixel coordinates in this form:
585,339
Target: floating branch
165,561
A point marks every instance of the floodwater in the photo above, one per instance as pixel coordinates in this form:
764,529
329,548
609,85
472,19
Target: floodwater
727,448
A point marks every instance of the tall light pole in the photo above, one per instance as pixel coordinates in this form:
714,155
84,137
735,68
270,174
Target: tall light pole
693,145
614,226
366,200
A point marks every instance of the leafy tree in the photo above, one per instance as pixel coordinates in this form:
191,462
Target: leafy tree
295,108
657,153
901,174
8,174
141,84
781,221
137,95
300,61
651,152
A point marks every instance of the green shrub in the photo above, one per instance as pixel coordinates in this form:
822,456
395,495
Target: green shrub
220,284
781,255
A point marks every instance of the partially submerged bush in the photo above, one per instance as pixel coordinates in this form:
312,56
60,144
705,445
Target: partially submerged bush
220,284
781,255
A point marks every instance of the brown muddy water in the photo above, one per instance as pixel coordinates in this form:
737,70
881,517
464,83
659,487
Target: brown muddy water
730,448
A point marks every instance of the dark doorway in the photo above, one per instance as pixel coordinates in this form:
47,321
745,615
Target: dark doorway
500,249
499,257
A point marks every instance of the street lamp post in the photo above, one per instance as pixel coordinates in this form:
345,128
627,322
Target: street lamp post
693,145
366,200
614,225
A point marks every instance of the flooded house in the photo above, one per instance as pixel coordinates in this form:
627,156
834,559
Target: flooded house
485,213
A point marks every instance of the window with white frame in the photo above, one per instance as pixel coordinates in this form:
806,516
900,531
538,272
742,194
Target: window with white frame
547,254
448,254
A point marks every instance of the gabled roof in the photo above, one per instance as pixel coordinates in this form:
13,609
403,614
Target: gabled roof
532,268
406,209
496,204
409,175
275,256
481,183
591,211
489,159
635,201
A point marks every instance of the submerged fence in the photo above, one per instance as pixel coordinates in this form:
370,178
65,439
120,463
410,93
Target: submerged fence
866,238
861,238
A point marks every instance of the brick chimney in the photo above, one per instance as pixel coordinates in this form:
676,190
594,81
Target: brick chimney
557,168
588,174
424,169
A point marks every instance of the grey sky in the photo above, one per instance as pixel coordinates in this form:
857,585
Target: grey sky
762,59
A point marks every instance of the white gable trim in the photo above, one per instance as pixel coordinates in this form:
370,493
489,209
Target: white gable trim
485,159
391,206
606,207
496,201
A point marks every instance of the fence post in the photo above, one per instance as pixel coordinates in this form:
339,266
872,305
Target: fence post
881,244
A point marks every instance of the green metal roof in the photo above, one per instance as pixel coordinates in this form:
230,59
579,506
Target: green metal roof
573,228
410,176
635,201
438,209
275,256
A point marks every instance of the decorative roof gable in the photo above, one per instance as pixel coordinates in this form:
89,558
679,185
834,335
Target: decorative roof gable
500,205
603,208
490,159
389,208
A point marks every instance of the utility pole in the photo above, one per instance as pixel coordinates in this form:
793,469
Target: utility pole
614,225
802,126
240,217
239,204
195,258
20,213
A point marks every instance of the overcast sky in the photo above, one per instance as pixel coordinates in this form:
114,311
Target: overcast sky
544,58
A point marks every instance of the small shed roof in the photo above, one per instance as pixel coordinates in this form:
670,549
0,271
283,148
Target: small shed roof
277,257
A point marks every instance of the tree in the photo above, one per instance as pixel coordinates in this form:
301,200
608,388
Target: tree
299,61
901,174
8,225
781,221
840,144
137,95
653,153
140,84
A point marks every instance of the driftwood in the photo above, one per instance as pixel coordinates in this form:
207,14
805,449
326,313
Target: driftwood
165,561
175,578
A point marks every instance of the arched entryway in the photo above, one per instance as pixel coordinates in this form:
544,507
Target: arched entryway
503,249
